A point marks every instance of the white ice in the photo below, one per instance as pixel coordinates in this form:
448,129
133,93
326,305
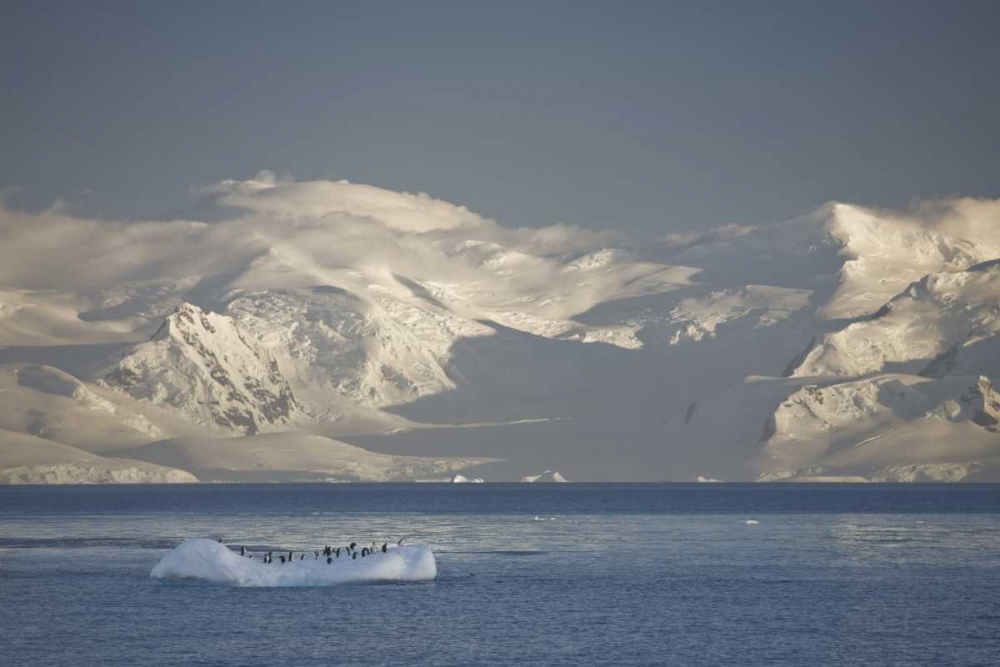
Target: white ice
207,561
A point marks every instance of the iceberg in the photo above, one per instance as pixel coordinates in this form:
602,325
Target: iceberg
206,561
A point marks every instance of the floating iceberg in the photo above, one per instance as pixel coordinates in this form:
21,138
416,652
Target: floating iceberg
462,479
207,561
547,476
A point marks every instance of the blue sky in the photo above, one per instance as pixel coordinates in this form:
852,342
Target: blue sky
646,117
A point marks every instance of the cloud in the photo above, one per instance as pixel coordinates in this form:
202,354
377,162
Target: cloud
323,225
322,229
286,200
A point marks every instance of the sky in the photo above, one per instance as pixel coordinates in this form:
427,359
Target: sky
648,118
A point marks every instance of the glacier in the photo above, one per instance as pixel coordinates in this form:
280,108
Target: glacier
206,561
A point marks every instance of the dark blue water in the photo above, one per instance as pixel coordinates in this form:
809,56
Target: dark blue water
553,575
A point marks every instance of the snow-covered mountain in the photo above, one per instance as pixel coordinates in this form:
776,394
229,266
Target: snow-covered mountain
202,365
329,330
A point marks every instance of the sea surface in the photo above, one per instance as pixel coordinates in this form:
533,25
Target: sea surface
712,574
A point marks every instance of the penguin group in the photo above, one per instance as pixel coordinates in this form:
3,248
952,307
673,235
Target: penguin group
331,553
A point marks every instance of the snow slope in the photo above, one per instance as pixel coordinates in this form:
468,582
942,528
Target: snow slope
290,456
208,562
329,330
26,459
934,325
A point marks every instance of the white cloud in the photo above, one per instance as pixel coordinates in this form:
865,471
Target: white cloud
286,200
323,225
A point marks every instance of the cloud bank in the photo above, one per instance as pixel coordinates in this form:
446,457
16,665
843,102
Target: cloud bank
329,225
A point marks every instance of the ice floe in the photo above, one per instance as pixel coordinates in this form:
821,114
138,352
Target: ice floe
206,561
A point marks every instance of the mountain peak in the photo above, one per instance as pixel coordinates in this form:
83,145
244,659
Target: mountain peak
203,365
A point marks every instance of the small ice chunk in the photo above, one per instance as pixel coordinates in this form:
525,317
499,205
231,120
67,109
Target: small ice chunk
752,522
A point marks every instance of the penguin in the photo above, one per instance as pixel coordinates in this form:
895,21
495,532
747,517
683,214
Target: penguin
385,546
329,560
354,556
289,556
243,551
353,544
400,543
282,559
302,557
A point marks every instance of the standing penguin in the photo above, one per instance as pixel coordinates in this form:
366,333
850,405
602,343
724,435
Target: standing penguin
385,546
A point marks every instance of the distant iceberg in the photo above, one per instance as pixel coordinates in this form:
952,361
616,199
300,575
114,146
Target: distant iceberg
207,561
462,479
546,476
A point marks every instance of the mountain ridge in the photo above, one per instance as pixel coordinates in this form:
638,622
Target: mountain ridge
410,327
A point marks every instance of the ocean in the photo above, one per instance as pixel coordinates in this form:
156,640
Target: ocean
577,574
